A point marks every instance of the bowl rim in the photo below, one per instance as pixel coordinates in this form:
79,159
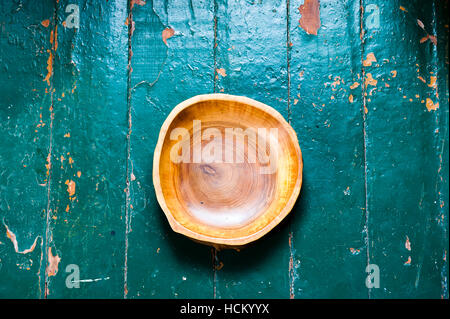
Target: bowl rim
216,241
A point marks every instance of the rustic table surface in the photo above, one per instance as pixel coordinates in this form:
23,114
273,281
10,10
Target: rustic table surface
82,102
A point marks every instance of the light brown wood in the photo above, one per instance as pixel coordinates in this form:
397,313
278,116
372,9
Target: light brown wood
222,187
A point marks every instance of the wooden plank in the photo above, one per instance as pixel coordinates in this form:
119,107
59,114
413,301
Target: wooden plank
161,263
88,177
81,112
328,230
407,149
251,60
24,126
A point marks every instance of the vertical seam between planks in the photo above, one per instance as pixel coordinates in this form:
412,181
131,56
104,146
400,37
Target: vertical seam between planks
127,199
291,275
49,157
288,59
364,108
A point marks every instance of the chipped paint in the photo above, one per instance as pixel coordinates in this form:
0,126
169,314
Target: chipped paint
49,67
370,80
167,33
370,58
53,262
408,262
189,70
431,106
45,23
138,2
13,239
433,83
354,85
407,244
70,187
222,72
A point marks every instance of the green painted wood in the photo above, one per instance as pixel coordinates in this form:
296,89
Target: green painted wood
87,227
24,128
405,145
251,60
161,263
328,227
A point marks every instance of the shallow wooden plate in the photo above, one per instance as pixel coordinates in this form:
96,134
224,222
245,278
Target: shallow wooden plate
227,169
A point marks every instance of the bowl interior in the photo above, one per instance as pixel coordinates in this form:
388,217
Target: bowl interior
227,169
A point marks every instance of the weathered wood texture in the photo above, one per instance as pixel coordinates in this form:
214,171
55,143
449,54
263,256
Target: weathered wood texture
81,110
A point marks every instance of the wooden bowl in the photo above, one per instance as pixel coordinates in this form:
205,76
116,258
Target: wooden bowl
227,169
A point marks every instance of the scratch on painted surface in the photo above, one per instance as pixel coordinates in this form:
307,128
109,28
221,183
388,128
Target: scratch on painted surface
310,19
13,239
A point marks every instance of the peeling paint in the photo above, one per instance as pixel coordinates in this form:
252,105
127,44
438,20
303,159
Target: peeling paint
370,80
49,68
222,72
407,243
431,106
167,33
138,2
432,83
53,262
70,187
13,239
370,58
45,23
354,85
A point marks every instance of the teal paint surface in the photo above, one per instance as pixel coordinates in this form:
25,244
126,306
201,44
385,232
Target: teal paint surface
375,182
328,227
23,154
89,103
